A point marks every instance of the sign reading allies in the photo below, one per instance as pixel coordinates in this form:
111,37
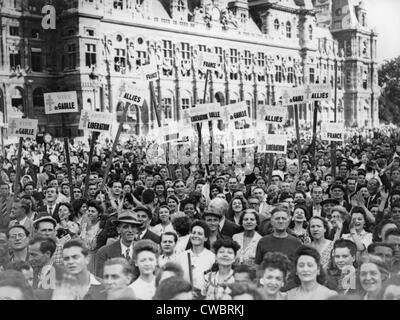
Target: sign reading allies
273,143
272,114
95,121
208,60
244,138
22,128
204,113
332,131
150,72
132,93
60,102
308,93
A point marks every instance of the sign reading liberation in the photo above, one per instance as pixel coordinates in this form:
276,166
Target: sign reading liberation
95,121
60,102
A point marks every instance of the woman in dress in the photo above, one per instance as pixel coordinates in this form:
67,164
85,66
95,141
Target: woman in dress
298,225
358,233
235,209
275,269
319,230
164,214
249,238
90,229
145,257
64,214
221,275
309,276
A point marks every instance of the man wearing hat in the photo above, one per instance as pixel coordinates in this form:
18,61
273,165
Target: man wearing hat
337,192
327,205
144,215
213,218
226,227
127,225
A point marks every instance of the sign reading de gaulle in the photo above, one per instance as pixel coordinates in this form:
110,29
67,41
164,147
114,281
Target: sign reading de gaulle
132,93
95,121
60,102
23,128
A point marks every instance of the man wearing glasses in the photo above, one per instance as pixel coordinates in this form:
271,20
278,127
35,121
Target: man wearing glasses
18,238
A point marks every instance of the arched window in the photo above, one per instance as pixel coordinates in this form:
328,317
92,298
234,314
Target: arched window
276,24
290,78
181,5
278,74
310,32
288,30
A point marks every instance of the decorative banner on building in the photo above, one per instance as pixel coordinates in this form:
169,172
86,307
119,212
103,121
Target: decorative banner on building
203,112
208,60
95,121
273,143
272,114
332,131
60,102
132,93
150,72
23,128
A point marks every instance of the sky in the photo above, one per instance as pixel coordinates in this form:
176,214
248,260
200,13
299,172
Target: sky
383,15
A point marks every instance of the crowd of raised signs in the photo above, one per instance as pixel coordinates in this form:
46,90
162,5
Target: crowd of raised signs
296,231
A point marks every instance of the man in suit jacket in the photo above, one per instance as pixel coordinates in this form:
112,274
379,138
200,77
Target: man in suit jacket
6,201
19,215
144,215
220,206
128,226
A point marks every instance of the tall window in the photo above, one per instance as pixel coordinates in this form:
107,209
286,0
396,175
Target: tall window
288,30
276,24
120,60
278,74
141,57
181,5
38,101
290,78
71,56
185,103
247,62
36,59
365,79
14,31
312,75
15,58
90,55
118,4
167,49
167,105
310,32
261,64
234,55
185,50
218,51
202,48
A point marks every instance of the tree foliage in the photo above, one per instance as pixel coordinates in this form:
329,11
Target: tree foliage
389,80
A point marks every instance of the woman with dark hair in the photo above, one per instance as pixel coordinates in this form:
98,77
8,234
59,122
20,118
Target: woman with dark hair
198,256
358,227
372,274
275,270
298,225
319,230
64,214
214,190
80,209
249,238
309,276
221,274
235,209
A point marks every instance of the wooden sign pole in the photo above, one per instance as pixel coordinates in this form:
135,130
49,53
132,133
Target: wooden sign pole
296,119
18,173
66,148
92,143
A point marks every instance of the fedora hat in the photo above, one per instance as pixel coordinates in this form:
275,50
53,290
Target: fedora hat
127,216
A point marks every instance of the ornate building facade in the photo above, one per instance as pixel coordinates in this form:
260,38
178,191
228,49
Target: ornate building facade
263,47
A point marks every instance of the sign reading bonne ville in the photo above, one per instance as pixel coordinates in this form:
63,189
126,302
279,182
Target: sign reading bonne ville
60,102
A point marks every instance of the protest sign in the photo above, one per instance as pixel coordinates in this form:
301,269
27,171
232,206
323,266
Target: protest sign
272,114
150,72
208,60
203,113
272,143
60,102
132,93
318,92
95,121
23,128
332,132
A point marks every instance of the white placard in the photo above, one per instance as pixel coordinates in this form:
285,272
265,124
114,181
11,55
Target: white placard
22,128
318,92
95,121
132,93
332,131
272,114
293,96
208,60
242,139
273,143
150,72
60,102
203,112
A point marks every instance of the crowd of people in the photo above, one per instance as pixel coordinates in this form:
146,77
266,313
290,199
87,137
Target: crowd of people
295,231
